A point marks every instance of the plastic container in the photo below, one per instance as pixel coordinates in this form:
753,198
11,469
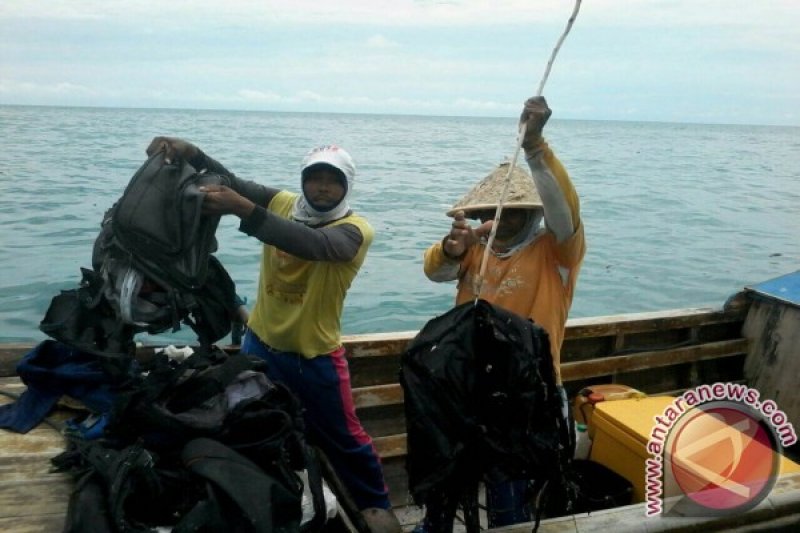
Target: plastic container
583,444
623,429
586,400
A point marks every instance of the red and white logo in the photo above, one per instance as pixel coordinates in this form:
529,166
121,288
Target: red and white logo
720,458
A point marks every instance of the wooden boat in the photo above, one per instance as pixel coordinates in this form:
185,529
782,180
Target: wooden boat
750,340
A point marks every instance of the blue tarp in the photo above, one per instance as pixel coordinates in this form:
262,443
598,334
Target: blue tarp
785,288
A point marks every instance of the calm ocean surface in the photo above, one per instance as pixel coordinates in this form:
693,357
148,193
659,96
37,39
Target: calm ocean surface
676,215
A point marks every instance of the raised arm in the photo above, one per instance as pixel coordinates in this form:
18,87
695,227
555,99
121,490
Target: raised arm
561,205
338,243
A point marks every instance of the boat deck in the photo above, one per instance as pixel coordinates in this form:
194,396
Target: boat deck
32,499
657,353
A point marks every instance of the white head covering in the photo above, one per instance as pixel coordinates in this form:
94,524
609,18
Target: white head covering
331,156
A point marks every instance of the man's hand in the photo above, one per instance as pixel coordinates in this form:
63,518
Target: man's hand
534,116
174,149
462,235
222,200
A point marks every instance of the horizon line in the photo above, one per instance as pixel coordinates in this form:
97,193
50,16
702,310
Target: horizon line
357,113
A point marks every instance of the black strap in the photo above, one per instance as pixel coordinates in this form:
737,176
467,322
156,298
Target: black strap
206,515
315,486
470,505
260,501
342,495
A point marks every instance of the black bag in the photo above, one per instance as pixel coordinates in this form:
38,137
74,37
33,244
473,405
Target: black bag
153,267
481,400
246,497
176,452
173,402
204,486
158,220
481,404
82,318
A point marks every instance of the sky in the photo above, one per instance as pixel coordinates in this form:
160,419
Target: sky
706,61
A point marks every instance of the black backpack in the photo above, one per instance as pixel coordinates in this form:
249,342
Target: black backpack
171,456
158,221
481,403
153,268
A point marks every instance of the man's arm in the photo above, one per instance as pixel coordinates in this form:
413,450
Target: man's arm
438,266
338,243
561,205
255,192
443,259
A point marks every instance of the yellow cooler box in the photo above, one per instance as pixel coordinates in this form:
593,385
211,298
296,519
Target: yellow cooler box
622,429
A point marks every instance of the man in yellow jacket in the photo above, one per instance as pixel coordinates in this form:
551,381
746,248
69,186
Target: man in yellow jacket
536,255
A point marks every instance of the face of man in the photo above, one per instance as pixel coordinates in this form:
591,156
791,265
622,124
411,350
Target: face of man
323,188
512,221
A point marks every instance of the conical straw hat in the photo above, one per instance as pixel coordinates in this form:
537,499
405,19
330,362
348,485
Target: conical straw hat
486,194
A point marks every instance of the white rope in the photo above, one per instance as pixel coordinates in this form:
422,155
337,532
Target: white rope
478,282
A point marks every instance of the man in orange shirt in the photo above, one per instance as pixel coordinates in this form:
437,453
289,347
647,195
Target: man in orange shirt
535,258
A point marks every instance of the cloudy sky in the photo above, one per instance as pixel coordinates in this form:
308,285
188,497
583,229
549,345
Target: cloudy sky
713,61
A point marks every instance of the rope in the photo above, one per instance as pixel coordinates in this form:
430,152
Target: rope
478,282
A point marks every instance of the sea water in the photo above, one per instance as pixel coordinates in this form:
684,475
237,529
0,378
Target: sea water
676,215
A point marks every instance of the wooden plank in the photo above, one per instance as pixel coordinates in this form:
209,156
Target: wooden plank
408,514
377,344
681,376
41,523
366,371
42,439
375,395
645,360
24,466
392,393
651,321
664,339
46,495
391,445
772,365
712,371
654,379
11,350
720,332
11,384
381,344
383,420
396,477
10,355
580,349
678,392
394,343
